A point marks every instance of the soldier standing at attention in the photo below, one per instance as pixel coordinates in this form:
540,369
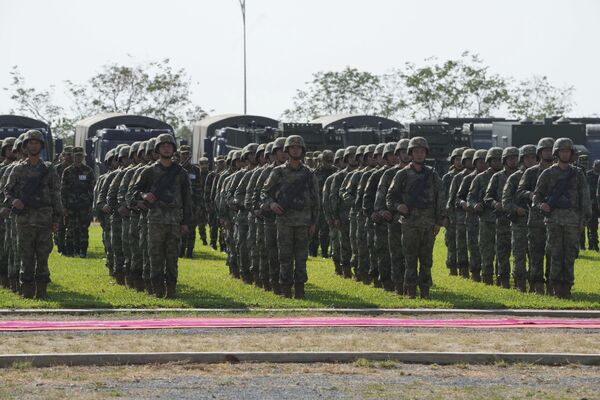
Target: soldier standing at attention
450,234
493,201
187,242
292,193
334,232
202,216
416,193
487,219
213,221
33,192
562,194
165,189
536,230
322,172
77,191
60,239
6,150
592,227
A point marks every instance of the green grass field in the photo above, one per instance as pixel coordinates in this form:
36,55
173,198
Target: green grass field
204,282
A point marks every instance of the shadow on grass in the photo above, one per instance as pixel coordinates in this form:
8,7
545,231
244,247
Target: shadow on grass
462,300
589,257
195,297
330,298
67,298
587,296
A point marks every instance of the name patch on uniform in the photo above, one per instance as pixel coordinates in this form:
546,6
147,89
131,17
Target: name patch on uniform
82,177
192,176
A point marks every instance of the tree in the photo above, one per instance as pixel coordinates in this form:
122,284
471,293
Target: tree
537,98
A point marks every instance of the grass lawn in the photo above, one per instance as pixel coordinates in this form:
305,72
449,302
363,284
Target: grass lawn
204,282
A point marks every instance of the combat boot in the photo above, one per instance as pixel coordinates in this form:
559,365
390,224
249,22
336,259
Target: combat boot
453,270
181,251
424,292
411,292
266,285
148,287
14,285
4,282
567,291
338,268
521,285
388,286
538,288
377,283
213,245
120,278
464,272
347,271
158,288
505,282
399,288
258,283
171,291
204,242
189,253
488,279
286,291
41,290
366,279
129,282
476,276
299,290
138,284
28,290
276,288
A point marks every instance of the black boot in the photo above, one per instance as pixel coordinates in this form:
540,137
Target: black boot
521,285
286,291
276,288
424,292
464,272
213,245
120,278
453,270
299,290
189,253
148,287
28,290
399,288
347,271
41,290
411,292
14,285
138,284
476,276
158,288
266,285
388,286
338,268
505,282
171,291
488,279
4,282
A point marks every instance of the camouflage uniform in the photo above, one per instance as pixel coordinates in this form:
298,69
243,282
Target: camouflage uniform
103,219
322,172
592,227
60,237
7,144
450,232
187,242
213,221
334,232
77,191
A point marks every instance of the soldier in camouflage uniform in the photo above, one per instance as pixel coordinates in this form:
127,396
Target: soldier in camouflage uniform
487,219
33,192
462,252
166,189
226,215
213,221
450,233
334,232
292,193
536,230
187,242
592,227
562,194
77,191
60,239
582,164
322,172
416,193
517,213
471,217
493,201
9,157
110,161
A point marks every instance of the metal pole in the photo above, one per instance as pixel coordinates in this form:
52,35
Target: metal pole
243,6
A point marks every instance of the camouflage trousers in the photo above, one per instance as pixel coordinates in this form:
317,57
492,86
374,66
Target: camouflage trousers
381,251
462,249
198,223
3,250
125,245
261,251
243,251
538,251
213,223
116,240
232,254
108,250
487,244
137,259
450,241
251,245
35,246
396,251
163,242
344,240
519,250
473,245
334,238
592,231
373,265
417,243
292,242
563,250
13,250
143,234
362,245
60,236
503,248
353,240
77,226
324,236
272,252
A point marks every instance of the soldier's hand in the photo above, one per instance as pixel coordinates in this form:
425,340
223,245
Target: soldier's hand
387,215
521,212
149,197
141,205
184,230
546,207
276,208
55,227
312,229
106,209
464,205
123,211
436,230
445,222
498,206
18,204
375,217
403,209
336,223
478,207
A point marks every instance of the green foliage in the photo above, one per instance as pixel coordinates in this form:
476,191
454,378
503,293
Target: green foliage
204,282
537,98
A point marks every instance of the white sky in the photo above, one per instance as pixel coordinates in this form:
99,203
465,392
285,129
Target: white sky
288,40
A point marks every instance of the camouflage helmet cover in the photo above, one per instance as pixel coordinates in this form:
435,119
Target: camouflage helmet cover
402,145
135,146
261,147
327,155
350,151
294,140
360,150
370,149
150,145
6,143
458,152
509,152
279,143
379,149
480,155
389,148
339,153
467,154
528,149
269,148
165,138
249,149
417,141
34,134
543,143
563,144
124,151
494,152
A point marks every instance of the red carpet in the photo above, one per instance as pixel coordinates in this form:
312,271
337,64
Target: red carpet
301,322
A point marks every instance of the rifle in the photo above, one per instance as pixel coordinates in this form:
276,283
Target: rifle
165,182
30,195
554,199
289,198
416,192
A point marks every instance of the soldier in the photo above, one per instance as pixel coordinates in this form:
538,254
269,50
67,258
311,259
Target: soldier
517,213
292,193
110,161
187,242
60,239
462,252
487,219
592,227
471,217
536,230
416,193
33,192
310,162
322,172
334,232
450,234
77,191
493,201
582,164
165,189
202,218
213,221
228,218
562,194
9,157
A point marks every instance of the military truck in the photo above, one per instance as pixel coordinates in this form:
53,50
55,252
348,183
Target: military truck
14,125
102,132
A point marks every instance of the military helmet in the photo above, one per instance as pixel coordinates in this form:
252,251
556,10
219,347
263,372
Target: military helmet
142,147
327,156
509,152
124,152
402,145
339,153
185,148
360,150
528,149
34,134
67,150
279,143
269,148
480,155
370,149
543,143
6,143
417,141
150,145
467,154
350,151
261,147
458,152
18,144
165,138
78,150
203,160
109,154
494,152
237,155
388,148
249,149
563,144
309,154
135,146
583,157
379,149
294,140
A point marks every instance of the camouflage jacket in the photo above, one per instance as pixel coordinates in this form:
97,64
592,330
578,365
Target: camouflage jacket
447,182
572,205
510,203
426,210
127,197
176,212
5,169
285,177
382,188
525,194
477,194
493,194
240,191
360,190
336,204
460,215
48,208
463,194
197,182
349,192
101,197
210,180
249,204
370,191
325,204
77,187
257,203
113,189
592,178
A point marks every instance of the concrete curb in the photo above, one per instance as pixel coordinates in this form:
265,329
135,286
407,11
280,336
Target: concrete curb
442,358
399,311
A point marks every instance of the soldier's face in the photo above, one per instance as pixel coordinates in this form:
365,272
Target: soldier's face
457,163
8,153
468,163
68,158
404,157
419,154
391,159
371,160
564,155
496,164
529,160
185,156
295,152
546,154
512,161
480,165
251,157
78,159
281,156
165,150
34,147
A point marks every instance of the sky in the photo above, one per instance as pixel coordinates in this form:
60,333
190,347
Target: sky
289,40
